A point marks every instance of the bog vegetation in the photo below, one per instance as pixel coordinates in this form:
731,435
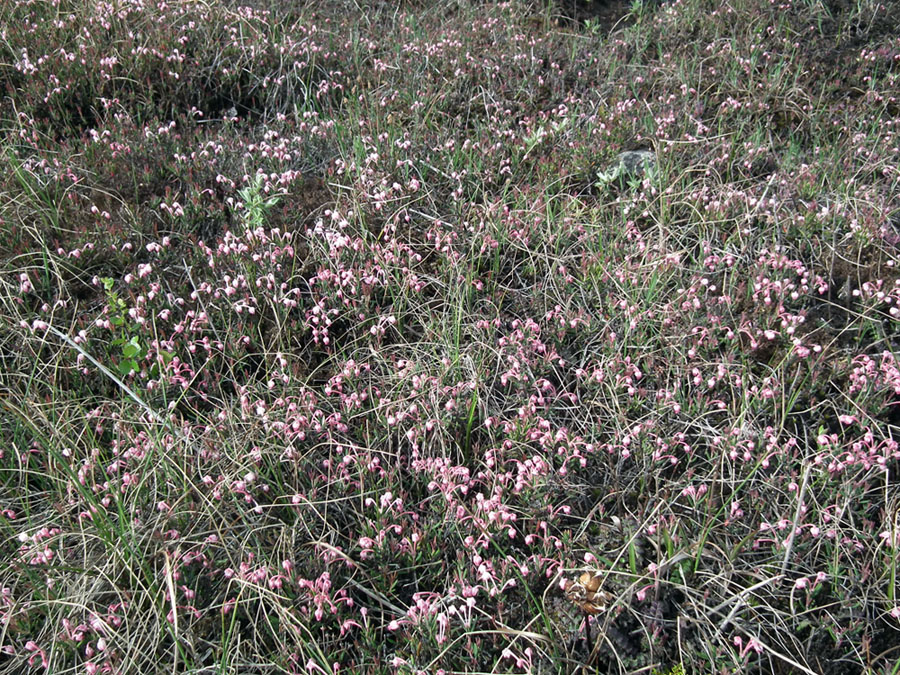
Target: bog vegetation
334,336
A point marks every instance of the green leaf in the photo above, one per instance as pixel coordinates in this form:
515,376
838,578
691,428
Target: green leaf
632,558
127,366
132,348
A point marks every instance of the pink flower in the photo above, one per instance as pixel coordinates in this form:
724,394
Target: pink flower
347,625
752,644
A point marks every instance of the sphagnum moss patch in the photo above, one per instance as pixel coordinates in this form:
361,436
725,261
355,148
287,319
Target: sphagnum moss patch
335,339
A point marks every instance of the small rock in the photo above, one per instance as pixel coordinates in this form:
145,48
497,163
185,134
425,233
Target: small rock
628,166
633,163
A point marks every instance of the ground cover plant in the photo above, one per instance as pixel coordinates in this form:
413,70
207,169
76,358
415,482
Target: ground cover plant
335,336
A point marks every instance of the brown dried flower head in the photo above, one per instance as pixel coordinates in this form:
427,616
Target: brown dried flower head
585,593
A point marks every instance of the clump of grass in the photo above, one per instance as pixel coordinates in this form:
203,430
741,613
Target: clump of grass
330,340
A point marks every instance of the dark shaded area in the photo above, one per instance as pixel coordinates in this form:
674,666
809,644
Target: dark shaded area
606,15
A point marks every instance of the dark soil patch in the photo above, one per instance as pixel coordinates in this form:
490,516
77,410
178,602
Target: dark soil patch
608,14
